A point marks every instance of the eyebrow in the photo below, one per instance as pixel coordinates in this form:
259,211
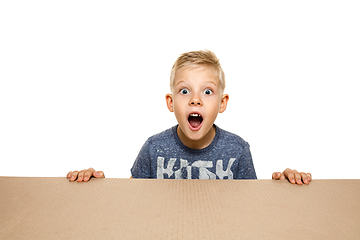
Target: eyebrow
179,82
211,82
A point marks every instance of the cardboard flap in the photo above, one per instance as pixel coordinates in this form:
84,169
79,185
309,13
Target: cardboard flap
54,208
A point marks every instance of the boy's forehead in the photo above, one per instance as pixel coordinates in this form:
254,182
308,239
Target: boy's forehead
187,72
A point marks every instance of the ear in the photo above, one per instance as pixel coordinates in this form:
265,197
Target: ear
223,103
169,102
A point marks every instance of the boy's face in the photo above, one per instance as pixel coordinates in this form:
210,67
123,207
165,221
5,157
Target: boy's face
197,97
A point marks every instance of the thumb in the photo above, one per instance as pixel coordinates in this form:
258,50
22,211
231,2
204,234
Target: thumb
99,174
276,175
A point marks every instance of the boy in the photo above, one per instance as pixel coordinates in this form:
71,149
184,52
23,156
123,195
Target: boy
196,148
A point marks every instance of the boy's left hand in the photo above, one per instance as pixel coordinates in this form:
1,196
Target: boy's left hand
293,176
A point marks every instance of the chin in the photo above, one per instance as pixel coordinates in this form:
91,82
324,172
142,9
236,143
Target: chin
197,135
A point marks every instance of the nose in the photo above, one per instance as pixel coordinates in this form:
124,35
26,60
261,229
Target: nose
195,102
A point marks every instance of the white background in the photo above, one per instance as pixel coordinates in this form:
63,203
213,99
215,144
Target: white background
83,83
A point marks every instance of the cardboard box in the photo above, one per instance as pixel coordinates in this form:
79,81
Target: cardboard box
54,208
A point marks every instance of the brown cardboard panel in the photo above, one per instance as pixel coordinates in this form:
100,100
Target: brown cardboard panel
54,208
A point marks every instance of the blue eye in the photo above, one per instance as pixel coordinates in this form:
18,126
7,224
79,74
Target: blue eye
184,91
208,92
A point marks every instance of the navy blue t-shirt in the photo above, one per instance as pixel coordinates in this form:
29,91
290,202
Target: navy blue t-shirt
165,156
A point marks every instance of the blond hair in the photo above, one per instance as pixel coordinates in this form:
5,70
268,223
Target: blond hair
196,59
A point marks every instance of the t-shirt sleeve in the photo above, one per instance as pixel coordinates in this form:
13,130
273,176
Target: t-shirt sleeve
246,169
141,167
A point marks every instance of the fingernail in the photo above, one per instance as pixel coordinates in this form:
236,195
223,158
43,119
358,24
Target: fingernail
86,178
97,174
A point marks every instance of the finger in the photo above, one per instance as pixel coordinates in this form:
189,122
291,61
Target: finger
309,176
98,174
69,174
282,177
81,176
276,175
304,178
290,176
73,176
88,174
298,178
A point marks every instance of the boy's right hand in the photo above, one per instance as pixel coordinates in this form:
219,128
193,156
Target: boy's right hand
84,175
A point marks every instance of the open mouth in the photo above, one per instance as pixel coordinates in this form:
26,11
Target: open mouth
195,120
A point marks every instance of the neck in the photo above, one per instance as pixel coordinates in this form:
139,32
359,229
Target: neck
197,144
